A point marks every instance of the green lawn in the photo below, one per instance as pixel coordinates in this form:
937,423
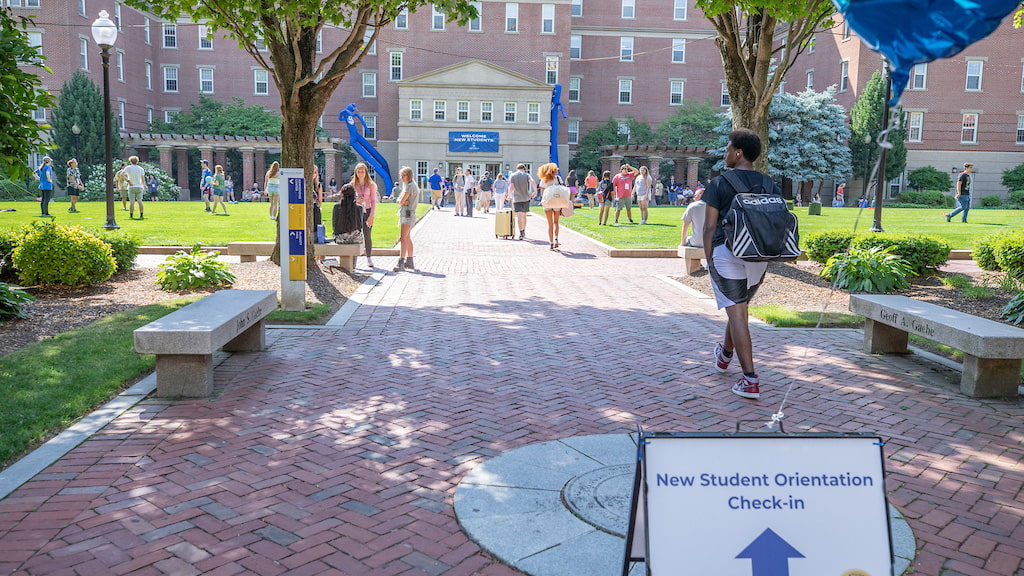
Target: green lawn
664,225
185,223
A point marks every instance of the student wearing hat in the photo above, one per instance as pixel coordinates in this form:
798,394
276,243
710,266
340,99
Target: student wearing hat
964,183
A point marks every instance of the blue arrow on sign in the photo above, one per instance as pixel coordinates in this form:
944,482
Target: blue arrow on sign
769,554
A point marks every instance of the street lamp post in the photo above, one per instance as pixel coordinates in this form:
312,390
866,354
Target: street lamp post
104,32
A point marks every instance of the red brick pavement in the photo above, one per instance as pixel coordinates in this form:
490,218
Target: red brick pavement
338,451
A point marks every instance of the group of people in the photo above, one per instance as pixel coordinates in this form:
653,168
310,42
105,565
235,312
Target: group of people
130,182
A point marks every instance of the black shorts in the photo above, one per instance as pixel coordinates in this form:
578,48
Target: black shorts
521,207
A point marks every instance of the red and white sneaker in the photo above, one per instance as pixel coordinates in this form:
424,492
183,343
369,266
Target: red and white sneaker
747,387
721,360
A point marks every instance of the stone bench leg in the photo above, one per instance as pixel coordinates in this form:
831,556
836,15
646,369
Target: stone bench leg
989,377
184,375
691,266
252,339
883,339
247,258
347,263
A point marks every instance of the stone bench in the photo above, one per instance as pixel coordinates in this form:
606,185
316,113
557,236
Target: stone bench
184,340
992,350
248,251
691,258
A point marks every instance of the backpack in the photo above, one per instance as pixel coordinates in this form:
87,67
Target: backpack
759,226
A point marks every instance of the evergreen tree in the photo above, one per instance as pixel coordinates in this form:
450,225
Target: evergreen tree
808,133
81,103
21,95
866,124
692,124
213,117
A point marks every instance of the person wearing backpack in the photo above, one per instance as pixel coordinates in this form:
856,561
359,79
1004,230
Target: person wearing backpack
733,280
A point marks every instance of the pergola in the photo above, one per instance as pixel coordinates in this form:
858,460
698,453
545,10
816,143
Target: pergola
214,150
651,156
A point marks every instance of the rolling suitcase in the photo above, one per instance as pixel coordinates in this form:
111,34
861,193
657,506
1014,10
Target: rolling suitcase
504,224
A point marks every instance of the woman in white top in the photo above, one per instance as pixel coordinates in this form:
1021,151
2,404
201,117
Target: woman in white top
271,186
548,175
407,201
470,192
643,184
500,190
460,198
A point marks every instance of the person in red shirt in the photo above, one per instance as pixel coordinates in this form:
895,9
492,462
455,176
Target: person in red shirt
623,182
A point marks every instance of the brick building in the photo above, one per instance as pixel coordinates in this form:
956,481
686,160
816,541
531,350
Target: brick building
428,81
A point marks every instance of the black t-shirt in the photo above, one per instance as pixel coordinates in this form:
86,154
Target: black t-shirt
720,194
965,184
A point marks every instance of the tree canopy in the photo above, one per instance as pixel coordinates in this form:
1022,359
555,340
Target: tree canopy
209,116
22,94
808,132
81,103
692,124
865,125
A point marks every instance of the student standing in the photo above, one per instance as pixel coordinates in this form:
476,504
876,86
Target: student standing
136,185
218,188
436,195
45,175
643,184
590,187
407,201
605,197
500,190
75,185
470,191
623,182
272,182
486,186
367,197
459,183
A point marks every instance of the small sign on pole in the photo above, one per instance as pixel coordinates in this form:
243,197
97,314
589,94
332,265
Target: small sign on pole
760,505
292,223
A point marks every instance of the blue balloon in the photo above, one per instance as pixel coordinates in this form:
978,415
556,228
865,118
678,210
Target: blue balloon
909,32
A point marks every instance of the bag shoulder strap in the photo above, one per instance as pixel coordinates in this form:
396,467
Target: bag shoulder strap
738,185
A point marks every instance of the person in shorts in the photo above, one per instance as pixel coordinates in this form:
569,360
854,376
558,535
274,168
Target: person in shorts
605,197
624,191
733,281
407,200
272,183
219,188
523,189
136,176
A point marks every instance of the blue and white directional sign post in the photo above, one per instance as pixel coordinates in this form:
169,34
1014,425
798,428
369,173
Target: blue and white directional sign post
292,222
765,505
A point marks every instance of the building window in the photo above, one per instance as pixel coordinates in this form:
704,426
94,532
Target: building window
81,7
369,84
533,112
149,115
475,24
675,96
915,120
206,80
120,114
510,112
170,79
440,110
422,168
626,49
623,128
415,109
725,95
810,80
1020,128
919,77
678,50
117,17
512,17
120,65
145,30
551,69
974,68
575,47
625,91
396,66
574,88
83,53
170,35
547,18
487,111
577,7
169,114
436,19
811,43
462,111
402,20
320,40
846,31
844,75
149,75
679,10
261,82
629,9
574,131
35,39
39,114
370,131
367,39
969,132
205,39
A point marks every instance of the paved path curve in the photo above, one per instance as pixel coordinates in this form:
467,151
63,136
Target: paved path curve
337,451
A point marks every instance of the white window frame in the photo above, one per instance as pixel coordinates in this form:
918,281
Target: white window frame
169,35
679,51
626,49
35,39
551,69
487,111
416,110
149,115
476,24
547,18
370,132
576,8
915,125
625,91
148,73
575,82
437,19
533,112
203,81
145,30
628,10
1020,128
725,100
969,128
396,61
622,127
119,64
512,18
83,53
320,40
511,112
679,9
844,75
676,91
462,111
575,47
168,78
846,31
370,84
812,43
573,128
980,64
205,40
919,77
809,84
117,17
257,81
402,20
39,114
121,103
81,8
170,113
440,111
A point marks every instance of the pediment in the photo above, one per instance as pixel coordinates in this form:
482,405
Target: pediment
474,73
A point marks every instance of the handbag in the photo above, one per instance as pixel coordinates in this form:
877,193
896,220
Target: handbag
568,211
556,196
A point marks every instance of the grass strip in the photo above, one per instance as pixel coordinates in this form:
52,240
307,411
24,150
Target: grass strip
48,385
311,315
785,318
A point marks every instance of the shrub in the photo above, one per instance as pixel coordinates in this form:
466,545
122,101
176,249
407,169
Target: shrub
925,198
1017,197
16,190
991,201
1008,250
984,252
823,245
874,269
11,301
8,240
918,251
929,178
123,246
195,269
50,253
1013,178
1013,312
95,182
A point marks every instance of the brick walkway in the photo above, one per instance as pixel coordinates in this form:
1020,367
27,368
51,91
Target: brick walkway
337,451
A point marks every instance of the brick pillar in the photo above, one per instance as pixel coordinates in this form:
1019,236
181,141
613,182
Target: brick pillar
261,167
654,165
330,166
166,158
220,156
611,164
691,171
248,172
186,194
679,171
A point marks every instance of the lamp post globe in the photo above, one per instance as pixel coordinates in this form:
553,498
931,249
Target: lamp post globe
75,131
104,32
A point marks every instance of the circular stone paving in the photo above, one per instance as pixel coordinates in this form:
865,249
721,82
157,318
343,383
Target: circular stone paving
561,508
